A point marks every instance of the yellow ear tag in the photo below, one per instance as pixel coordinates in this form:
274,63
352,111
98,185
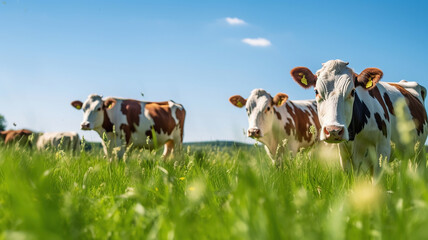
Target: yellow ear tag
239,104
78,107
109,106
303,80
369,83
279,102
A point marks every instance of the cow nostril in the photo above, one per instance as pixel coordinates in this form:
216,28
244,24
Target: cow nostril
254,132
341,132
327,133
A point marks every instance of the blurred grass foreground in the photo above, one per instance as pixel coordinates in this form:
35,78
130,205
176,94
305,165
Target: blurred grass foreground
204,192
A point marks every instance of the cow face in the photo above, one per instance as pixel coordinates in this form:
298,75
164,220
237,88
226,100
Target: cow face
335,85
94,111
260,110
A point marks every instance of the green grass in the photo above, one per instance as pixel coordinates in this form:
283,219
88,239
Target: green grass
221,193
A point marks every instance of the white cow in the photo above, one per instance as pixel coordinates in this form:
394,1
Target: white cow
274,119
67,140
360,113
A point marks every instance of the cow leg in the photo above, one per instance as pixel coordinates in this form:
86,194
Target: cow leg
420,158
105,149
178,144
114,147
168,148
119,148
383,151
275,160
363,157
345,153
76,145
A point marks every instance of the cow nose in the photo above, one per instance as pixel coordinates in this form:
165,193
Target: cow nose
254,132
84,125
334,133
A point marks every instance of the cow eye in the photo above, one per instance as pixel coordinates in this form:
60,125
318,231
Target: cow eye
99,109
268,108
317,95
352,94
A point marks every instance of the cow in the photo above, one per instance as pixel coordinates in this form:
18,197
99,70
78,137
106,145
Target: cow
273,120
127,121
364,116
66,140
13,136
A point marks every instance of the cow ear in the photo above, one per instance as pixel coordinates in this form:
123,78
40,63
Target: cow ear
369,78
304,77
77,104
280,99
238,101
109,103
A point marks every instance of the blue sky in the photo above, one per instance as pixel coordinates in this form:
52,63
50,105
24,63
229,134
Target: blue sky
54,52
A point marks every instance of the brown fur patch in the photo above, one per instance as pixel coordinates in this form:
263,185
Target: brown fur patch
181,114
289,126
417,109
126,129
12,136
278,115
301,120
149,134
107,124
132,110
162,117
389,103
375,93
380,124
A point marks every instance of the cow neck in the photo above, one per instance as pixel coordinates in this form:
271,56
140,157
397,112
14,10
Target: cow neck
107,124
268,139
360,115
270,143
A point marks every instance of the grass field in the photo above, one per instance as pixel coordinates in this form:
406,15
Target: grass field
204,193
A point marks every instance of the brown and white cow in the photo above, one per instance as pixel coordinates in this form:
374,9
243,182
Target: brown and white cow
128,121
363,115
13,136
274,119
68,140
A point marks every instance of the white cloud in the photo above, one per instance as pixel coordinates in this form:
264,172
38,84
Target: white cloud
257,42
235,21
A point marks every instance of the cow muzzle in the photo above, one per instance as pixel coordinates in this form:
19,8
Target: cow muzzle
334,134
85,126
254,133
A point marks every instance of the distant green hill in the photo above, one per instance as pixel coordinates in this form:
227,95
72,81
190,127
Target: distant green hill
205,144
218,144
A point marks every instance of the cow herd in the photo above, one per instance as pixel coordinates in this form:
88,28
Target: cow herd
363,116
65,140
367,119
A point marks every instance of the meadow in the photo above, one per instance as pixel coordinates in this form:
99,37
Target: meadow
205,192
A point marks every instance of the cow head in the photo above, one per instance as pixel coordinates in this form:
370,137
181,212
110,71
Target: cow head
335,85
260,109
94,111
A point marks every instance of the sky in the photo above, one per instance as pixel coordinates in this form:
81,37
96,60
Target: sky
197,53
